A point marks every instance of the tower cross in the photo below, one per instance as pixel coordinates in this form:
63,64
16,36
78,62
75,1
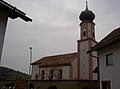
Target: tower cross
86,5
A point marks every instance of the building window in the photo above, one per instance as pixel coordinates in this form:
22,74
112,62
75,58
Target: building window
42,74
51,74
106,85
109,59
60,74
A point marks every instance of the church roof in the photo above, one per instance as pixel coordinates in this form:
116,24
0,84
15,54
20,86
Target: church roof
114,36
57,60
13,11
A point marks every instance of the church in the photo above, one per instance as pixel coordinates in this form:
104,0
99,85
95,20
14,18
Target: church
71,66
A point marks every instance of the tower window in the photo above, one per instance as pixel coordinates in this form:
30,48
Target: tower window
84,34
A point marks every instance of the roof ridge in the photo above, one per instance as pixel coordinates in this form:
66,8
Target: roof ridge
109,35
60,54
110,38
62,58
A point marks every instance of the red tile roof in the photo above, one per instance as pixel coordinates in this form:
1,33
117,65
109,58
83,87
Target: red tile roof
57,60
109,39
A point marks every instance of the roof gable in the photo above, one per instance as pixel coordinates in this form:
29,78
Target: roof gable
115,33
110,38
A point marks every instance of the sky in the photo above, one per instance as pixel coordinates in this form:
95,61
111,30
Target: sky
54,29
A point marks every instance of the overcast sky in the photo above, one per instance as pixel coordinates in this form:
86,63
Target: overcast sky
54,29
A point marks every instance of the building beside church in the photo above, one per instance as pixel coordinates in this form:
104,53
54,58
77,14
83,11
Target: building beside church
108,50
77,65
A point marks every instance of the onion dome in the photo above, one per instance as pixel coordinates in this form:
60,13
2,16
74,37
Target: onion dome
87,14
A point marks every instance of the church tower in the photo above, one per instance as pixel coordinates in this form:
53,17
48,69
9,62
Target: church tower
86,63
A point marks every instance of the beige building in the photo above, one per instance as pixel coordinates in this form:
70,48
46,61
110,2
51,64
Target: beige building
78,65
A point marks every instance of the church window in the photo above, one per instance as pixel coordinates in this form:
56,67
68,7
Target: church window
84,34
51,74
60,74
109,59
42,74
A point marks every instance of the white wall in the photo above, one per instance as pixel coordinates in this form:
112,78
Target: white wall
35,70
74,64
84,62
112,72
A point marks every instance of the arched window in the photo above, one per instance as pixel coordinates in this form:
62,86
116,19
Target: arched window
84,34
42,74
60,74
51,74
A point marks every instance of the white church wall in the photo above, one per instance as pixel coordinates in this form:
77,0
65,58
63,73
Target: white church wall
35,71
74,64
84,62
89,30
65,72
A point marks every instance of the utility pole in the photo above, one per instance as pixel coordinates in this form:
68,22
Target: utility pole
30,66
30,61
